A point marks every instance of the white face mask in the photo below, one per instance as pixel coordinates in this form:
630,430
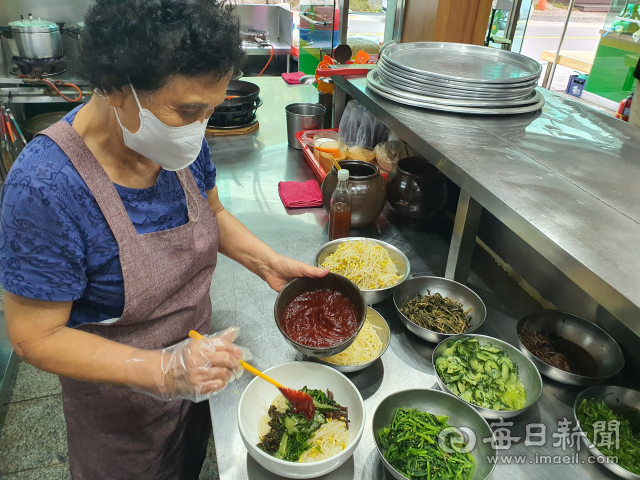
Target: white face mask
173,148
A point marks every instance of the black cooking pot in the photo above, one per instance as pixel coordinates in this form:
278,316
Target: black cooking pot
240,93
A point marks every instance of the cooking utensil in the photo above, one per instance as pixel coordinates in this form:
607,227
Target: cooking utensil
461,416
5,137
376,320
240,93
24,140
37,123
601,346
331,282
335,163
417,285
362,57
303,116
462,62
300,401
527,372
258,395
613,397
33,39
342,53
397,257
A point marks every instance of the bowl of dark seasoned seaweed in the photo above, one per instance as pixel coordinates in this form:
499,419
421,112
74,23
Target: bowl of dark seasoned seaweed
422,434
435,308
568,348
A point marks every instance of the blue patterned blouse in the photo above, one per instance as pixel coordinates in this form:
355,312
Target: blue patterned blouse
55,243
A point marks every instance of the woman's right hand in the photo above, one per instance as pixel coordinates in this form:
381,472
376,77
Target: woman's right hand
191,369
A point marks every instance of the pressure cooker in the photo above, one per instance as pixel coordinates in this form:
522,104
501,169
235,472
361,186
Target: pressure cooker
33,39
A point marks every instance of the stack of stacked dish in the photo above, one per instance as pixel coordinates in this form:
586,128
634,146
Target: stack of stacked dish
458,78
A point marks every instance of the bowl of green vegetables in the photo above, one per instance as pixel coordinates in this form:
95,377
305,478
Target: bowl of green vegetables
593,410
424,433
489,374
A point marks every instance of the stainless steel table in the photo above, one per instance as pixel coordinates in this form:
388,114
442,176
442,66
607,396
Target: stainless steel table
564,179
249,169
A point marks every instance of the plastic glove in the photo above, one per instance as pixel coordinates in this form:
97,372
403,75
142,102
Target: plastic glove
192,369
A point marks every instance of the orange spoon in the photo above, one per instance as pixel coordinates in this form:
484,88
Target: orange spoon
300,401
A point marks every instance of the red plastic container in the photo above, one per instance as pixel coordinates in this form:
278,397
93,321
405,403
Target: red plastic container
307,151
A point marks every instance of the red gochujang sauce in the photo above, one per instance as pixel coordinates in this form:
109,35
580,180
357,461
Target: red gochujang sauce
321,318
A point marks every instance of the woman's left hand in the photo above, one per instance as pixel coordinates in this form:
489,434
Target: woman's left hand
281,270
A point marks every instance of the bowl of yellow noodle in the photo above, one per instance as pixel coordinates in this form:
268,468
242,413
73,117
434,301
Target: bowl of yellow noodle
370,344
376,267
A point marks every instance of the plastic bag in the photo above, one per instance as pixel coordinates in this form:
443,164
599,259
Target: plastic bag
191,369
360,127
389,153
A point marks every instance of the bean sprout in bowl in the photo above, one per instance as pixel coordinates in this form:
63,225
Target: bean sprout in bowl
259,395
399,259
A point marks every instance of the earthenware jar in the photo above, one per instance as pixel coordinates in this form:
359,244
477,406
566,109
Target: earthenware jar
416,189
366,186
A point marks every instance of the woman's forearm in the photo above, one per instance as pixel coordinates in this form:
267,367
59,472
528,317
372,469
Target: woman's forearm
40,338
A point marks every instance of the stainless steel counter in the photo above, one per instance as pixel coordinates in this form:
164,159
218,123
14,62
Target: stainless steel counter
249,169
564,179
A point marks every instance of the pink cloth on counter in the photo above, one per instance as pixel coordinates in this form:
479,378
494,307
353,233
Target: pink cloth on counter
293,78
300,194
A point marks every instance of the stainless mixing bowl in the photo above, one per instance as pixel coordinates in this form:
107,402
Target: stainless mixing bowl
460,414
599,344
527,372
330,282
384,334
397,257
613,397
445,287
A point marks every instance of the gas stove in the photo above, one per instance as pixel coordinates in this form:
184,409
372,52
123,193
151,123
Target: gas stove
39,68
252,37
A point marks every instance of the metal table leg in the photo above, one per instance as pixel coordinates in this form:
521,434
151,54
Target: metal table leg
339,103
465,230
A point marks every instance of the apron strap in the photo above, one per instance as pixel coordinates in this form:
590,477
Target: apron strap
99,183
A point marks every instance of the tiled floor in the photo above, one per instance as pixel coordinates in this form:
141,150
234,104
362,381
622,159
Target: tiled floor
33,437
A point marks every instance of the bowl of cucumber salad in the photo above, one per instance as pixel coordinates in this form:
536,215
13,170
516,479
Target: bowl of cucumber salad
489,374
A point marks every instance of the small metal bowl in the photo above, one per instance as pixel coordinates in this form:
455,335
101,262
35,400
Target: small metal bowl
333,282
460,414
599,344
397,257
447,288
527,372
384,334
613,397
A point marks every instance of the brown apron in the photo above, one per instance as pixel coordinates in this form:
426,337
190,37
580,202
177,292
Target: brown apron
113,432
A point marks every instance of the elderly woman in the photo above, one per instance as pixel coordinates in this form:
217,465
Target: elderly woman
111,224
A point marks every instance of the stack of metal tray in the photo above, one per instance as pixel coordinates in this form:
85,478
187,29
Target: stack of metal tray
458,78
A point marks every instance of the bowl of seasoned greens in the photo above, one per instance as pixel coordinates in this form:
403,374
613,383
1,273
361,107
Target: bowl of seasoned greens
290,444
492,375
435,308
421,433
596,411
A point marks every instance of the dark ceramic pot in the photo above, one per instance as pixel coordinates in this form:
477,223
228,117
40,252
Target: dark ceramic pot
416,189
366,186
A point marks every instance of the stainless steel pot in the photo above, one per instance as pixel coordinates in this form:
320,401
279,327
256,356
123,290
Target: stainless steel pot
34,39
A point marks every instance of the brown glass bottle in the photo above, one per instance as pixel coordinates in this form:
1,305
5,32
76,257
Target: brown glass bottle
340,211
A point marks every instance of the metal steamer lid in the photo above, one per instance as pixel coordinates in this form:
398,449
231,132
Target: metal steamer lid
29,25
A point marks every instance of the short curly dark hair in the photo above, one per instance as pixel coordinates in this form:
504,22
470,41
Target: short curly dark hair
145,42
